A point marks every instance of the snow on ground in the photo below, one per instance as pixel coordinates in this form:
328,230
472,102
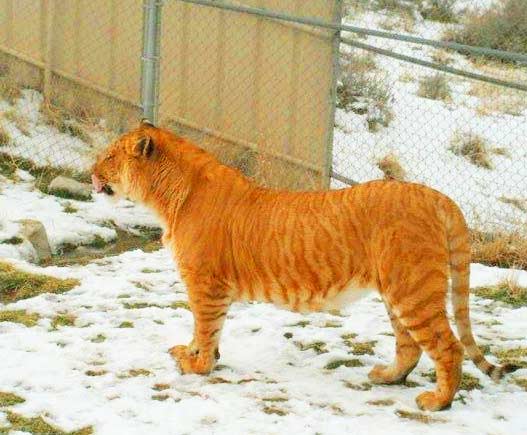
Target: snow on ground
422,130
39,142
22,201
261,370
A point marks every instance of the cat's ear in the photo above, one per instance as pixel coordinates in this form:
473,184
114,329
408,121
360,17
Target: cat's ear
146,123
144,147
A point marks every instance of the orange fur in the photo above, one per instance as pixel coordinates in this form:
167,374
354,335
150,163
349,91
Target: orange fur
306,251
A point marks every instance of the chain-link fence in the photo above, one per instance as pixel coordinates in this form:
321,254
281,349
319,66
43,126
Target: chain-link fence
297,94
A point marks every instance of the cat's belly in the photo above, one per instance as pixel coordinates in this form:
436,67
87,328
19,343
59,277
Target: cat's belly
345,297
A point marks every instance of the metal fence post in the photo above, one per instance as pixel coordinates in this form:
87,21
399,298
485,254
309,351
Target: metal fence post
337,19
150,59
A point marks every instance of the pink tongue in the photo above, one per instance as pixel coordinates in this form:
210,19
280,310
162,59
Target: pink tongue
98,186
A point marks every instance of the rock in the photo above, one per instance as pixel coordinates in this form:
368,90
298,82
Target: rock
68,188
35,233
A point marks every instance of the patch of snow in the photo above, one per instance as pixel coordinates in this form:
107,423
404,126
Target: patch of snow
259,363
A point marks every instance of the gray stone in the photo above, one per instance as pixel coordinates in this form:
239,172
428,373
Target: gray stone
67,187
35,233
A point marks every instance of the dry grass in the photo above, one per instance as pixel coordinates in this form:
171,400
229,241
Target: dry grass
5,138
521,382
438,10
9,90
404,22
391,168
520,204
73,123
499,100
16,284
472,147
502,26
442,57
20,121
435,87
406,77
43,174
508,250
381,402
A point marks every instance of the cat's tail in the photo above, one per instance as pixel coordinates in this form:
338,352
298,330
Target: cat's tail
459,247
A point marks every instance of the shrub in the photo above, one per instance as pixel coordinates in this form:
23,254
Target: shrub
17,284
502,27
472,147
364,92
438,10
435,88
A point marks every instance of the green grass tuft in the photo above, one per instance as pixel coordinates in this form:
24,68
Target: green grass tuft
361,348
504,292
95,373
10,399
468,382
343,362
126,324
418,416
38,426
275,410
20,316
180,304
125,241
365,386
99,338
516,356
63,319
69,208
16,284
13,241
301,324
318,346
134,373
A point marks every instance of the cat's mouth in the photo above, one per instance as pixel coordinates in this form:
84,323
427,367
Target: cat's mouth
100,186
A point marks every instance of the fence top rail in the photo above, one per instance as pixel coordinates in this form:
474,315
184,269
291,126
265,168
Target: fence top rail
499,54
436,66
